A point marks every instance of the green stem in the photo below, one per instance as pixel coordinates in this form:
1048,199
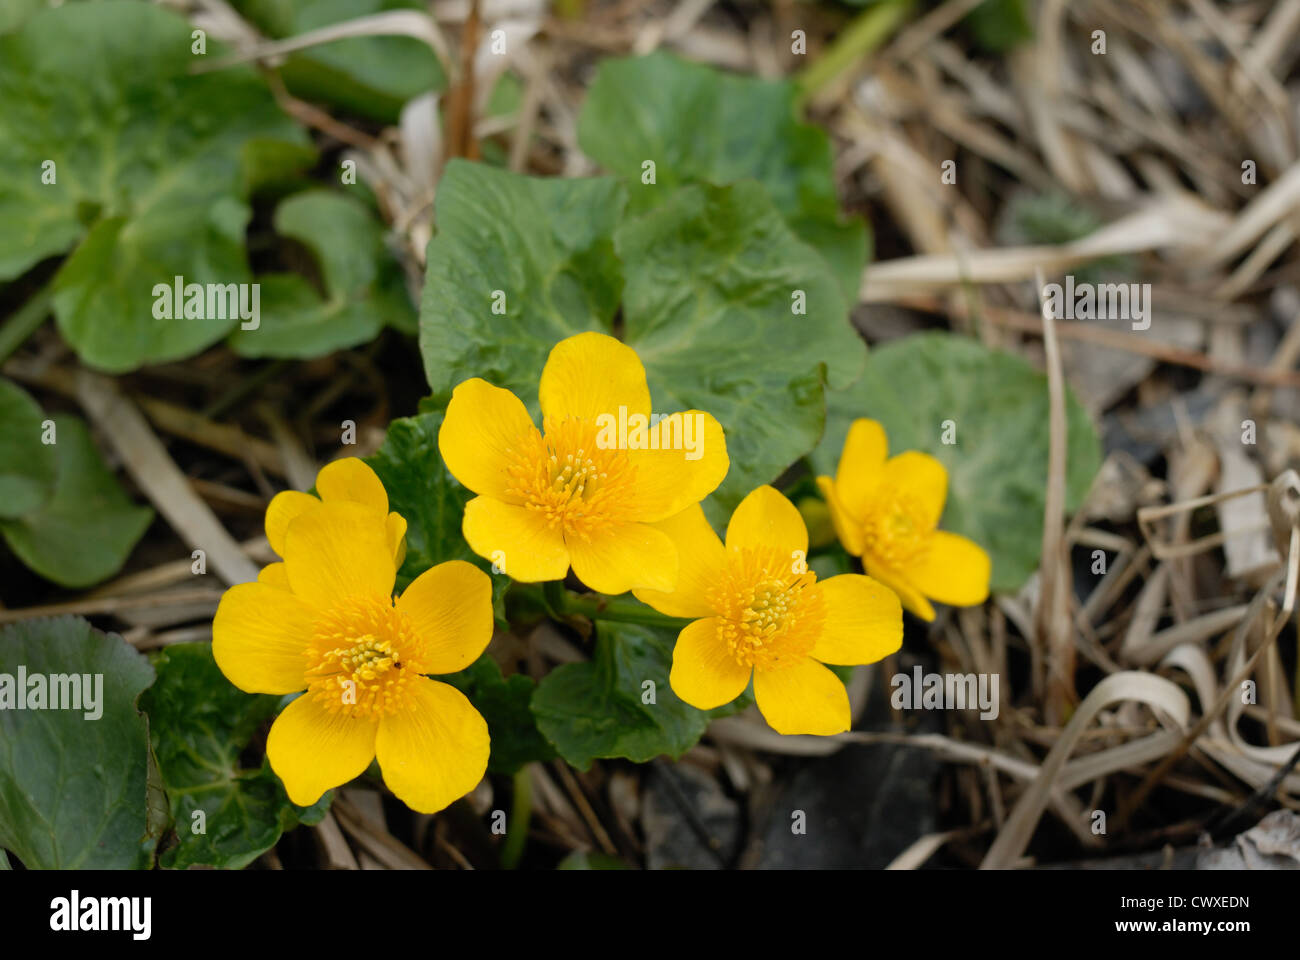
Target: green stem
24,321
562,603
521,812
865,33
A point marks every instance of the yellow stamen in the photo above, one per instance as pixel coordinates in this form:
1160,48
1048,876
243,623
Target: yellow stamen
363,656
895,529
572,482
771,616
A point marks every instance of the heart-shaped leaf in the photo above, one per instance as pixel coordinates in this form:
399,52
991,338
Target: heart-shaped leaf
620,703
73,769
697,124
85,531
115,148
363,284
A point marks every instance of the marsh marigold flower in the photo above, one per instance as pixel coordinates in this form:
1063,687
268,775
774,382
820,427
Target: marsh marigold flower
584,490
758,610
324,621
886,510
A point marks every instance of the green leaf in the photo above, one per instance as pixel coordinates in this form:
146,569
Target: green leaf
711,276
148,172
370,76
430,499
86,530
201,724
363,284
546,244
503,701
997,469
596,709
710,279
702,125
27,466
73,791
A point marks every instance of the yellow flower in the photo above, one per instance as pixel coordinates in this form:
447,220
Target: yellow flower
886,511
584,489
759,609
324,621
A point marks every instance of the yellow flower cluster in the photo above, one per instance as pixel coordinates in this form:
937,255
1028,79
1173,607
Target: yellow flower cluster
621,508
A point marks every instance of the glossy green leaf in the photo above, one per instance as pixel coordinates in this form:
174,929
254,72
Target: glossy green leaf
224,814
503,701
997,468
546,245
73,790
713,277
364,288
619,704
27,465
86,530
145,159
698,124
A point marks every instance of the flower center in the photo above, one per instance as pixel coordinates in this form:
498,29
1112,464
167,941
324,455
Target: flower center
362,658
896,530
569,480
771,615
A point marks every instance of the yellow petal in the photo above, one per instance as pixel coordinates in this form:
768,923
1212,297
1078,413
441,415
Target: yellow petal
670,480
397,538
275,575
482,426
955,570
283,508
450,608
313,750
704,672
912,598
925,478
340,549
766,519
259,636
804,697
700,559
864,621
516,539
592,374
352,479
435,750
846,527
860,466
624,556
